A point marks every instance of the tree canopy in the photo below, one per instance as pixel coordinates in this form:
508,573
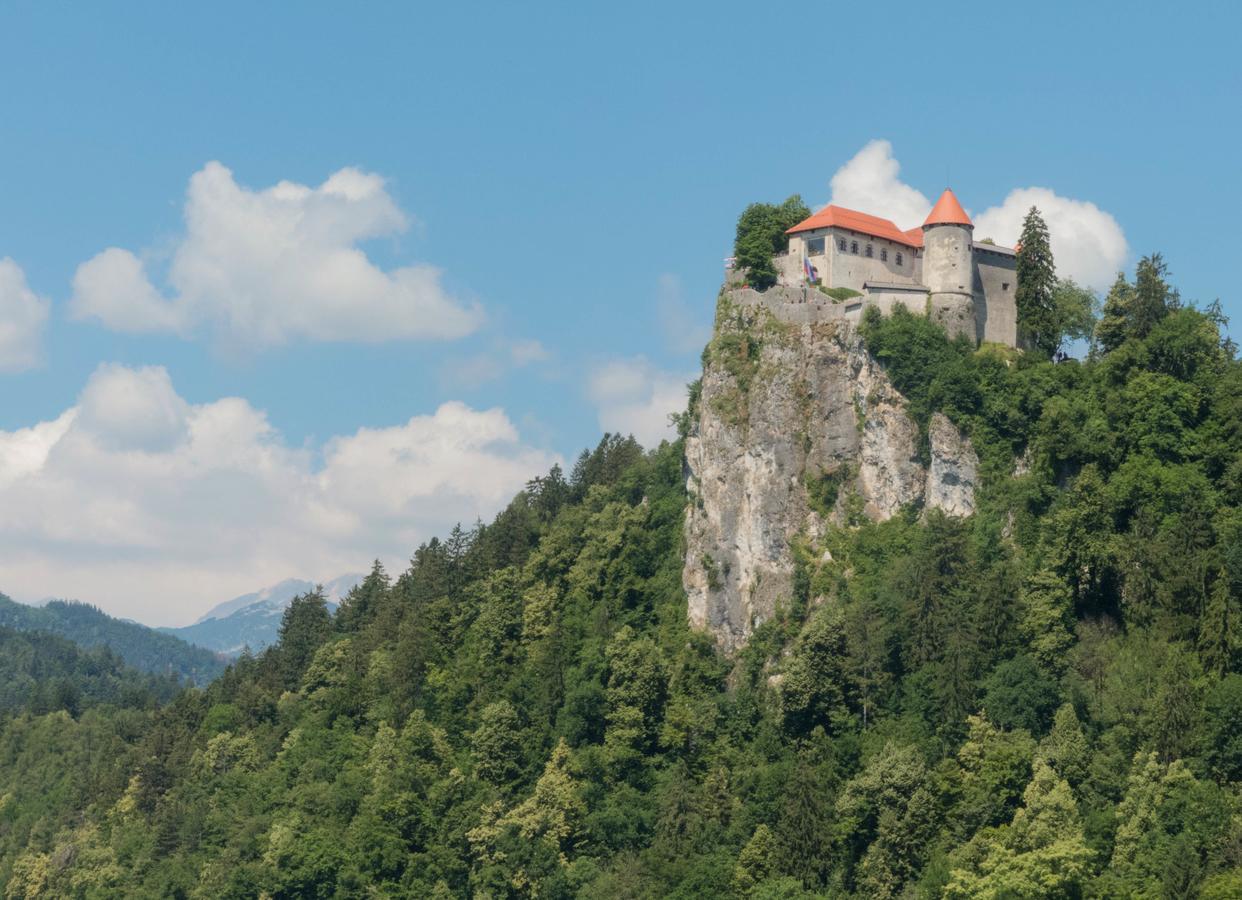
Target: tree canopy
1043,699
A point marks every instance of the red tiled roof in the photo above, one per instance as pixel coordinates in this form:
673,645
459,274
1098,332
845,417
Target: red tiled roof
840,217
947,211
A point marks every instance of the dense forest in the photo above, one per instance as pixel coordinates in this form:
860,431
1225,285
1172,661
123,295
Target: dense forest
141,647
1042,700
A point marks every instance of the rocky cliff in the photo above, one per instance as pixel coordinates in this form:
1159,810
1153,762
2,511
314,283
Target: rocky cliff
796,428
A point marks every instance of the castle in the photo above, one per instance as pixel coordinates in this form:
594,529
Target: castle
938,268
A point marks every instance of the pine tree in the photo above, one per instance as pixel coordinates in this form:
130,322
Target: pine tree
1065,748
756,862
1113,327
1218,629
1041,854
1037,281
1153,298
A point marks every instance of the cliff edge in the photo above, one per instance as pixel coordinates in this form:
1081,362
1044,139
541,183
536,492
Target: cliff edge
796,427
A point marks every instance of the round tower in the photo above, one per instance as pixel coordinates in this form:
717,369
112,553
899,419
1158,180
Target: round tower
948,266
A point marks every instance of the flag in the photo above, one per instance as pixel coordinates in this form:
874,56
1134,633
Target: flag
811,274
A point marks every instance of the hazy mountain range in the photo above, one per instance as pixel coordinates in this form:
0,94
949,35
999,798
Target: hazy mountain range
253,620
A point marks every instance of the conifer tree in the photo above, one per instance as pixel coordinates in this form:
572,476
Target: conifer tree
1153,298
1112,329
1218,628
1037,280
756,862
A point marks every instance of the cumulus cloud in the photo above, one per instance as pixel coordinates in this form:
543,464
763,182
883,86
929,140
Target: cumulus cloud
869,183
1087,243
632,396
269,266
23,317
156,508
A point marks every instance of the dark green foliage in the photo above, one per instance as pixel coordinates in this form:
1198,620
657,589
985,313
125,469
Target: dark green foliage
1018,695
761,234
1039,700
1134,310
1037,281
141,647
41,673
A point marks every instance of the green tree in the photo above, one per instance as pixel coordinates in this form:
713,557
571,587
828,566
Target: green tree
1074,311
1039,320
1065,747
1041,854
761,234
1113,327
1153,297
304,626
995,768
756,863
497,744
813,685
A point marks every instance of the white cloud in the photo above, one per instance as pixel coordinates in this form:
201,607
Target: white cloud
869,183
23,317
265,267
1087,243
632,396
157,508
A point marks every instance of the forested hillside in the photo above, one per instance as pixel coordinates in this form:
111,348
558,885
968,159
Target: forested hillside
1040,700
141,647
41,673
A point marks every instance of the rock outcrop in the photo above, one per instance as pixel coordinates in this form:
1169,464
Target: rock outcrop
797,427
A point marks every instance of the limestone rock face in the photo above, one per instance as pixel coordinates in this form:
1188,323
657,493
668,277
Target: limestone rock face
797,426
954,469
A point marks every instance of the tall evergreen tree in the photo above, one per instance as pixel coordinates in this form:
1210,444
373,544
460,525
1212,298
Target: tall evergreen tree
1113,327
1037,281
1153,297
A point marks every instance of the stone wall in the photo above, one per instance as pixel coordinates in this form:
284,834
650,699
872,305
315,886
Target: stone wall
995,286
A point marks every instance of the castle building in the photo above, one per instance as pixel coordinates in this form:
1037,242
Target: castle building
938,269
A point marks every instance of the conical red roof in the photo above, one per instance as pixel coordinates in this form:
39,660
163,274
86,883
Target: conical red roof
947,211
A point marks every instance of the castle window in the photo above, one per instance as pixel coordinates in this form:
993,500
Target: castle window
815,247
883,255
870,253
898,257
841,245
854,247
1004,285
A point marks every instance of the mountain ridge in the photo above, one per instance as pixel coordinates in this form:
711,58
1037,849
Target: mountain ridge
252,621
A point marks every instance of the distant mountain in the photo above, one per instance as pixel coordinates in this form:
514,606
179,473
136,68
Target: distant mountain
141,647
253,620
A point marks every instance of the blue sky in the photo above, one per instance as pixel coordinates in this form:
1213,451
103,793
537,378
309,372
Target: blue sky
574,171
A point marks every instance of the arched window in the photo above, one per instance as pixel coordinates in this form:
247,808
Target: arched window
869,252
841,245
854,247
883,255
898,257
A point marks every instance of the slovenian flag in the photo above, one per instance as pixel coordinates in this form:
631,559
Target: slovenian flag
811,274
